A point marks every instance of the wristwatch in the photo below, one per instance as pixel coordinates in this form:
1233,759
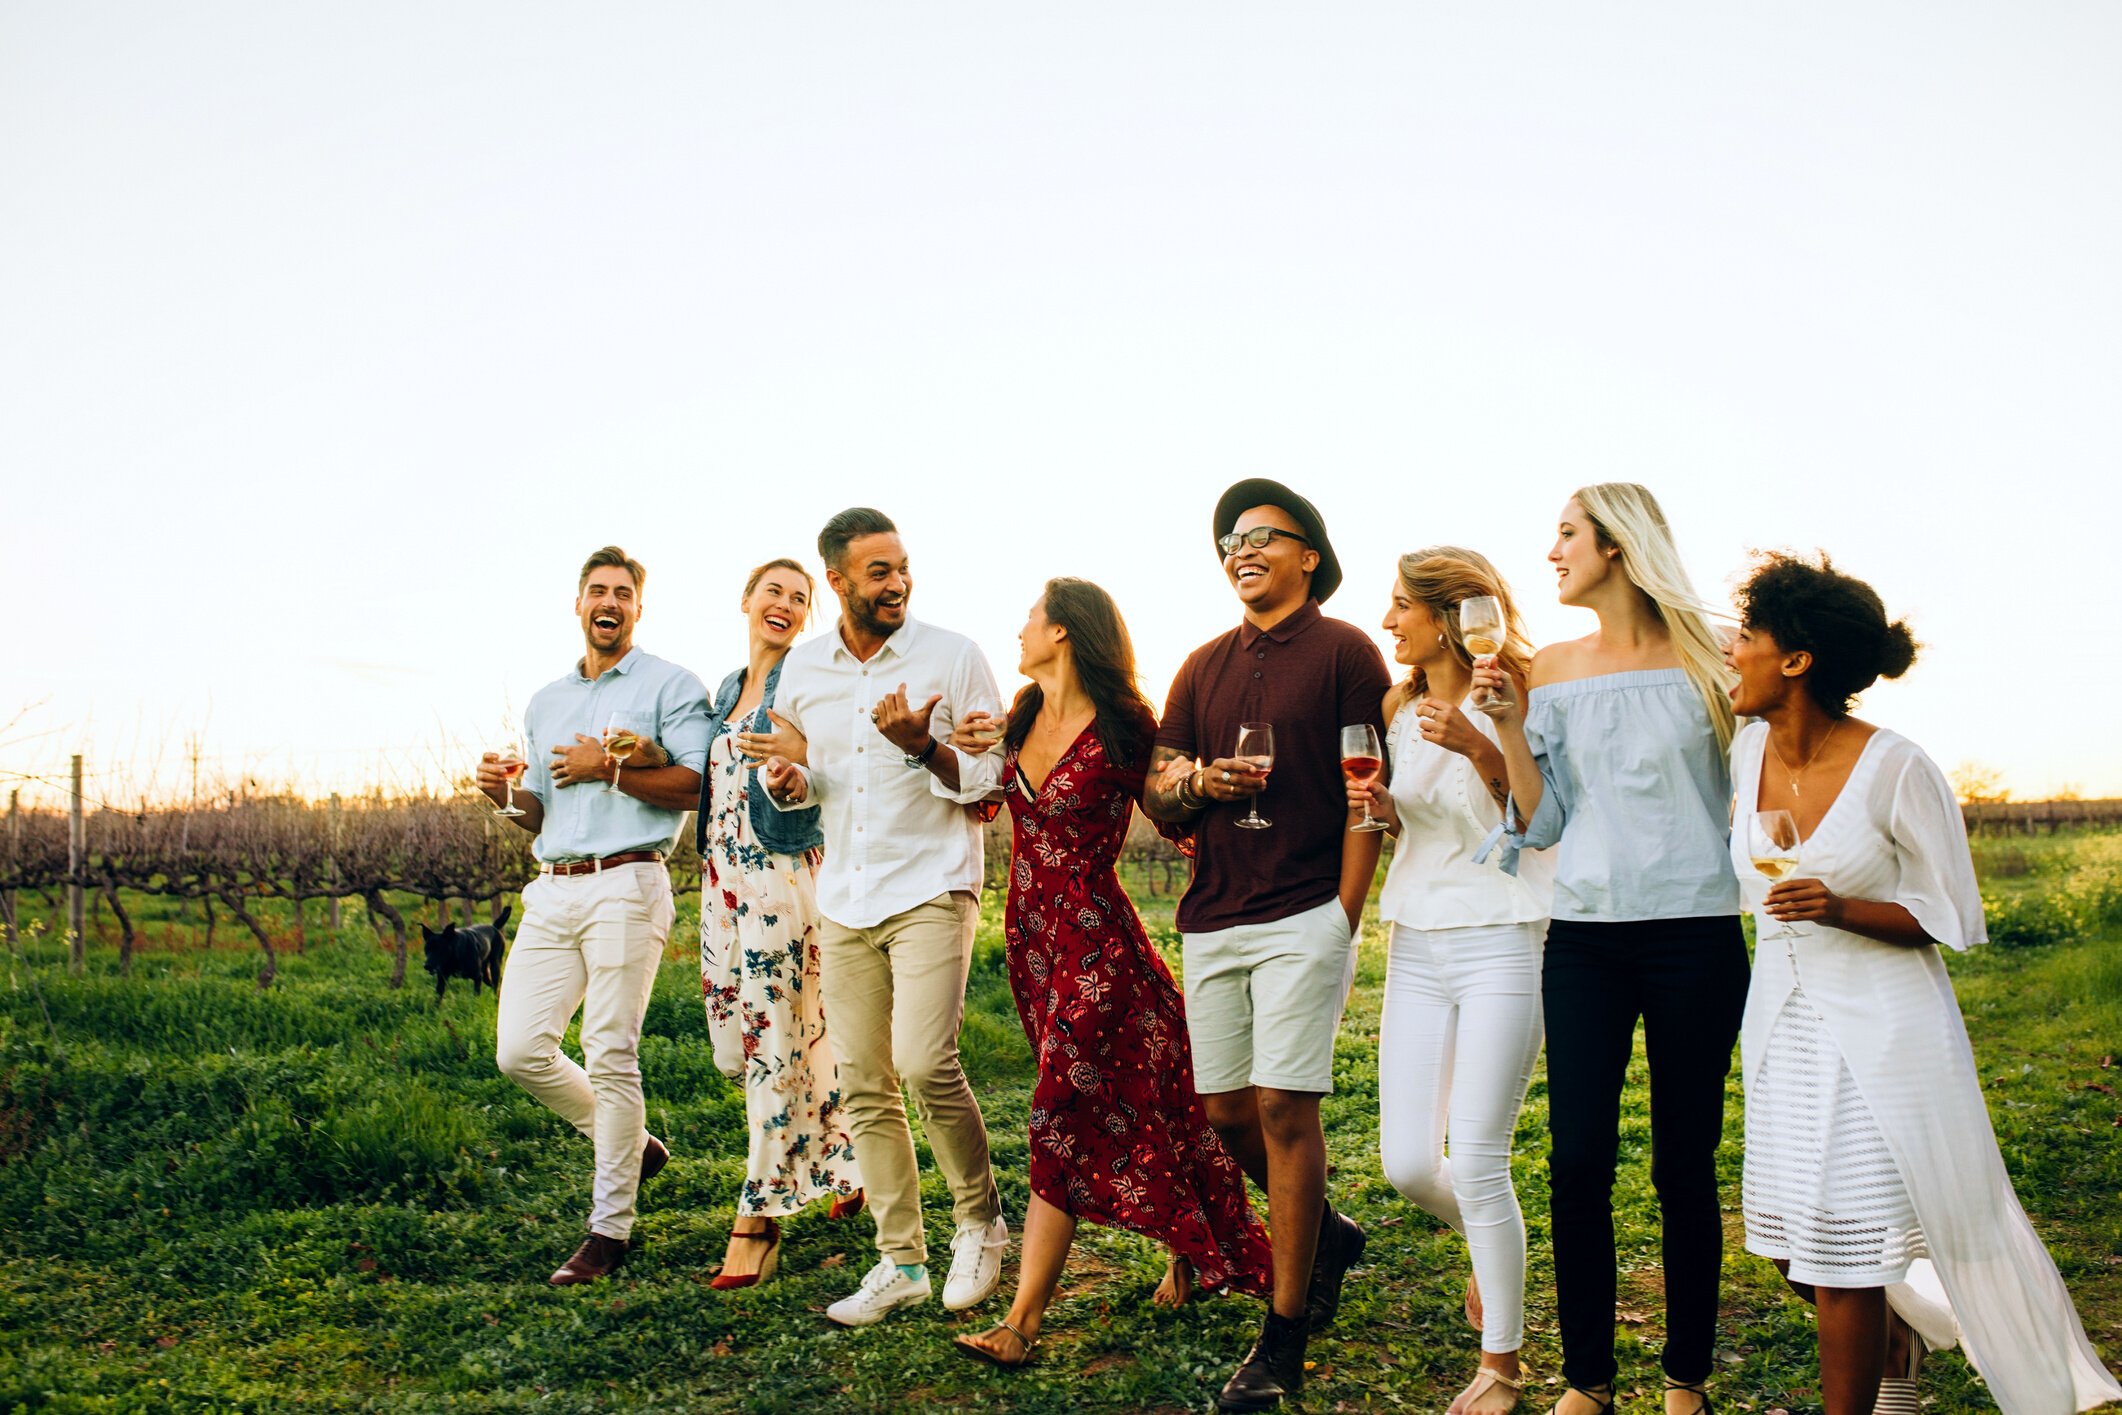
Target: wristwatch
921,760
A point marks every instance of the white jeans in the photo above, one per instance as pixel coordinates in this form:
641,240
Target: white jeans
1455,1050
589,941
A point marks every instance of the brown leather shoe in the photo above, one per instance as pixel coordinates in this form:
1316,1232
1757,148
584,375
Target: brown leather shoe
597,1257
654,1155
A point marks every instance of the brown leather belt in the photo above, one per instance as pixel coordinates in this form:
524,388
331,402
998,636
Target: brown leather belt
591,867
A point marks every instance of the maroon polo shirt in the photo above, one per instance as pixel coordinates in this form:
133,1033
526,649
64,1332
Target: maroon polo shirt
1309,676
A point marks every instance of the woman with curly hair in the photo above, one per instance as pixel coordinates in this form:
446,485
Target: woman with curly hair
1873,1180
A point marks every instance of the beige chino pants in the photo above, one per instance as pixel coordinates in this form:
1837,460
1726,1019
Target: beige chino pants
896,995
589,941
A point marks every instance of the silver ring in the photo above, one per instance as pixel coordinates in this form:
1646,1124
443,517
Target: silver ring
1226,778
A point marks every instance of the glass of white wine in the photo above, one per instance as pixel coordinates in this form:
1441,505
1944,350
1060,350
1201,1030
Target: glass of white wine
621,736
1772,845
1481,627
1256,746
511,765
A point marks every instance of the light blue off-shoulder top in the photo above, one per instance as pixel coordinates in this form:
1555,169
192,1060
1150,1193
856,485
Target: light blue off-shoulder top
1638,798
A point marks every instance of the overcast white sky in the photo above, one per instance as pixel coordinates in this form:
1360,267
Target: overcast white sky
333,338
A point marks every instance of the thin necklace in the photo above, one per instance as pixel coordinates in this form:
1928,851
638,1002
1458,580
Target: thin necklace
1794,775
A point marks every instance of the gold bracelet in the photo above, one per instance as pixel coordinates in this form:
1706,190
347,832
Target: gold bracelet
1185,788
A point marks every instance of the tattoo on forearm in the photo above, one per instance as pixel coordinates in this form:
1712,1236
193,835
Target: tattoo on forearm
1500,789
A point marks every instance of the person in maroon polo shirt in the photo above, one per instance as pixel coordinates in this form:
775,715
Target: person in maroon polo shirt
1268,921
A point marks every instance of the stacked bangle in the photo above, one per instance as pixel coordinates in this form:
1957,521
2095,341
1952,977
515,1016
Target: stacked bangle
1187,800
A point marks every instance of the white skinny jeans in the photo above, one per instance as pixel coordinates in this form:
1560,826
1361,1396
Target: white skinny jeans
1455,1051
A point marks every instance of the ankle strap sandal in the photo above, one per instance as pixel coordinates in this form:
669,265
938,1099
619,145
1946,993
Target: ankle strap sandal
1707,1407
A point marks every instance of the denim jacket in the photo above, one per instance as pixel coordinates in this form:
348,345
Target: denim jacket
783,832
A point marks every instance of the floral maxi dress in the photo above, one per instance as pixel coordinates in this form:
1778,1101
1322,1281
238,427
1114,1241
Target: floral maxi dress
759,975
1118,1135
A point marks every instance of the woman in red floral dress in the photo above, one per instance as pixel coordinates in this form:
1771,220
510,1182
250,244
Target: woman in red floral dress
1117,1133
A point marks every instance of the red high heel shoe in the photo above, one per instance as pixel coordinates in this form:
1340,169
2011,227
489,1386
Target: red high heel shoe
847,1206
724,1282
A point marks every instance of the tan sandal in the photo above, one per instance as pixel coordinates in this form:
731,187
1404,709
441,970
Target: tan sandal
1485,1380
978,1352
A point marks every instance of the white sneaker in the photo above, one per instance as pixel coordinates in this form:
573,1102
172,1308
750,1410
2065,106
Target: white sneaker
883,1291
976,1251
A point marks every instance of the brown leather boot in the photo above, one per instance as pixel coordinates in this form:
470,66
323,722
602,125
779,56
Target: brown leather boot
654,1155
597,1257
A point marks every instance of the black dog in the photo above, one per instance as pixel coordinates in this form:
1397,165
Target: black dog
472,951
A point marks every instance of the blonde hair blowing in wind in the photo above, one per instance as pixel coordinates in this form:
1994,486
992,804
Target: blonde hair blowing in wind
1438,578
1627,516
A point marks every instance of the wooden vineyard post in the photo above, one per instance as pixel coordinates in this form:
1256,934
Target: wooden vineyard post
333,864
76,862
14,854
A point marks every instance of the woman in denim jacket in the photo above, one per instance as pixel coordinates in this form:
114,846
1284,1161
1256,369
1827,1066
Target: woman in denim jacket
759,951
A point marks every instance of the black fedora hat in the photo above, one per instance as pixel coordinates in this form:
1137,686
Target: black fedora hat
1262,491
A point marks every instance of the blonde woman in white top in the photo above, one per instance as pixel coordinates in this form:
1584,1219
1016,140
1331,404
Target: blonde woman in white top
1462,988
1873,1179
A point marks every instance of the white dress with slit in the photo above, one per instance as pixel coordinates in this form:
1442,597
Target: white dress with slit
1870,1160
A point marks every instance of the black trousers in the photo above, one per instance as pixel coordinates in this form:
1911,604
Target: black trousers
1686,978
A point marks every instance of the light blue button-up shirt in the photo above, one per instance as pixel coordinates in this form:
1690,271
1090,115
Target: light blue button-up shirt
585,821
1638,798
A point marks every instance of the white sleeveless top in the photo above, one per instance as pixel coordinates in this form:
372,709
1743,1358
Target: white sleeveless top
1446,815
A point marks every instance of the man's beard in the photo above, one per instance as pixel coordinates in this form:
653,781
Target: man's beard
864,613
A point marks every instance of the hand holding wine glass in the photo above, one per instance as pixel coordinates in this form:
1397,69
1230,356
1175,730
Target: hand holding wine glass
977,732
1481,627
1256,749
1361,760
622,734
508,764
1772,845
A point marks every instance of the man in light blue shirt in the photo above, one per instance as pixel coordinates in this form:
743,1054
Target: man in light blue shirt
596,919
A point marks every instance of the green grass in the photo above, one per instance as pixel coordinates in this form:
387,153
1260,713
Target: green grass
323,1197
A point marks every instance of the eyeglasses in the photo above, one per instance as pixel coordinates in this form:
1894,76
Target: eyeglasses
1257,538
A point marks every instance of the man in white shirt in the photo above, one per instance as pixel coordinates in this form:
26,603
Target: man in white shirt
899,891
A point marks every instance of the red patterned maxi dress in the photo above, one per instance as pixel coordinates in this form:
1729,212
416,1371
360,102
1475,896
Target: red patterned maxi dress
1117,1132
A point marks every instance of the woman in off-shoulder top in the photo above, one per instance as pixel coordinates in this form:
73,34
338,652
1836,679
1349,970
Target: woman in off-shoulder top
1618,761
1873,1180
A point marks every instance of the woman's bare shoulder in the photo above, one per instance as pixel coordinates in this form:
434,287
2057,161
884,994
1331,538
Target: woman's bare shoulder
1560,662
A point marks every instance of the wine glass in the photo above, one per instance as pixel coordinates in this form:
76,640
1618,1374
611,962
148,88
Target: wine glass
1772,844
1481,626
1256,745
621,736
1361,759
988,733
511,765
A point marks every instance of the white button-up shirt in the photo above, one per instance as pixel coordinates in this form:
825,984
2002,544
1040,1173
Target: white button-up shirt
895,836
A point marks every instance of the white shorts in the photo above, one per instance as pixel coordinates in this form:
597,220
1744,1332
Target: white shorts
1264,1001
